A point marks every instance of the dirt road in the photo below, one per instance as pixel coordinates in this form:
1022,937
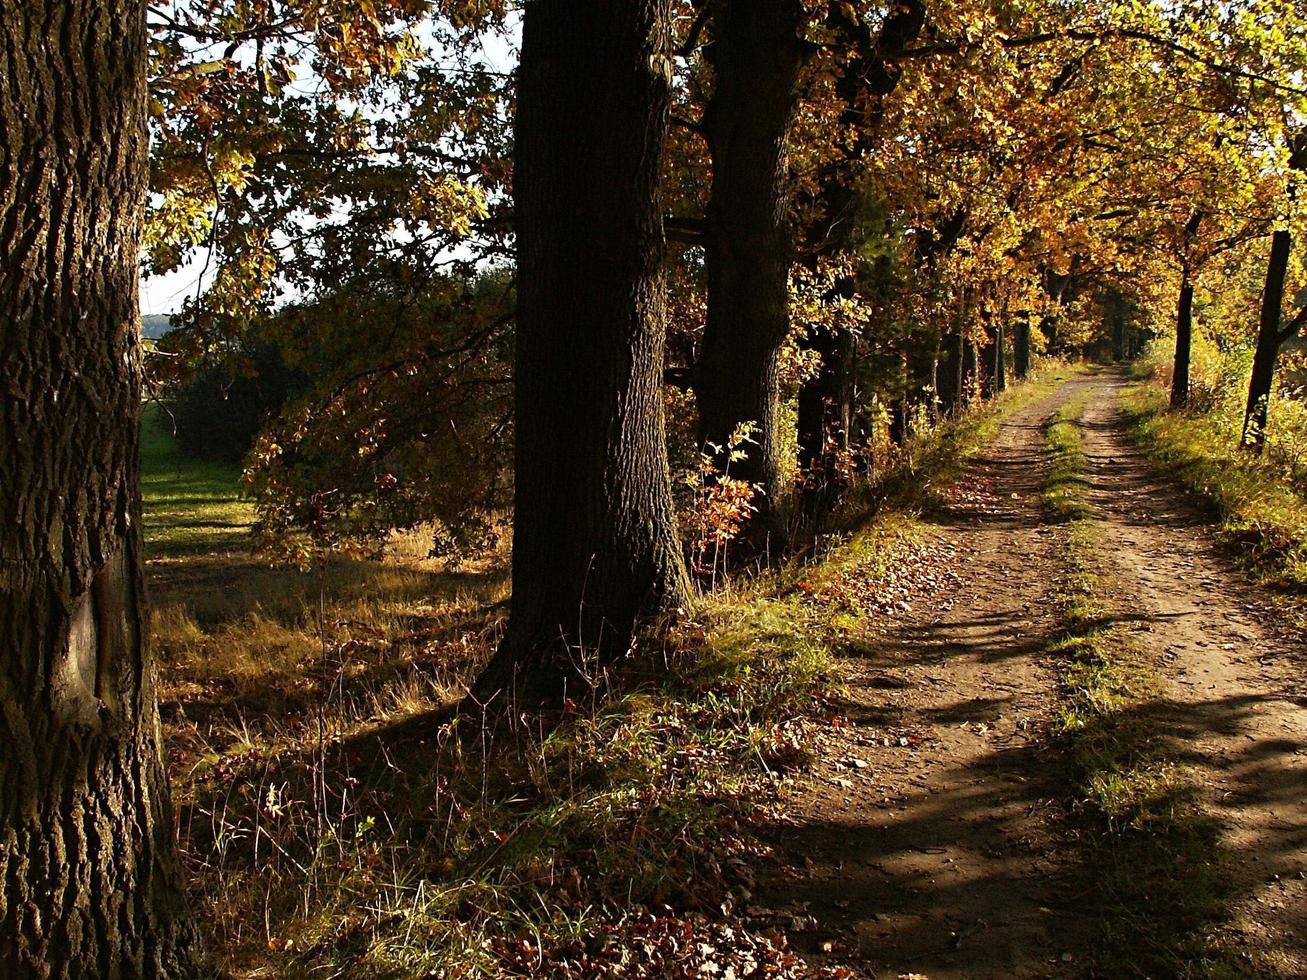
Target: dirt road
933,838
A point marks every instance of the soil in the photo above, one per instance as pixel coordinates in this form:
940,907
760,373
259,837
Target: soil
932,838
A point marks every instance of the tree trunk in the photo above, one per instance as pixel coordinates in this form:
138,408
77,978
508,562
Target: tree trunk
1184,332
826,401
919,377
1048,326
594,536
825,416
1257,409
89,879
948,373
900,406
1055,286
756,56
970,370
985,356
1021,343
1000,355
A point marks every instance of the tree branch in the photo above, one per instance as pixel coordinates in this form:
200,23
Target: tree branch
1291,329
1087,34
687,231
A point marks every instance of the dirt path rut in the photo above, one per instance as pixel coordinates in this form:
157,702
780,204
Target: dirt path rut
933,840
934,854
1233,710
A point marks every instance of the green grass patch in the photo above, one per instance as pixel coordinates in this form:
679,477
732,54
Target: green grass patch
1262,516
191,506
1063,493
1151,853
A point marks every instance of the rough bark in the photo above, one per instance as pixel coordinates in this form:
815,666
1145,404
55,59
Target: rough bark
756,55
825,416
89,880
1184,332
948,373
595,545
986,356
1269,339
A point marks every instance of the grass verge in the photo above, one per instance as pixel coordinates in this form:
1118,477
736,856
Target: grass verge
1262,517
1063,493
933,461
1150,852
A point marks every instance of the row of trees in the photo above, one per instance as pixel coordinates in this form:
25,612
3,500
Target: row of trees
858,198
1084,153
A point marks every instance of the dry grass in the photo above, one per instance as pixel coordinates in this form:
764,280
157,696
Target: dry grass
338,819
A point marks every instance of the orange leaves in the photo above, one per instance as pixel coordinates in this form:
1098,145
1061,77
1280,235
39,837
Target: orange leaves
722,504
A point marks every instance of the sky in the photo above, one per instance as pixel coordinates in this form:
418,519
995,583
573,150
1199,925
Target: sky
163,294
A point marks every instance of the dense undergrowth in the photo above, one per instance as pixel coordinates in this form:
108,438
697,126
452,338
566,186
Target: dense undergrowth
339,819
1153,854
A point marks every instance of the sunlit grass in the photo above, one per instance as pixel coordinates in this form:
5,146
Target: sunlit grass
191,506
1063,491
338,818
1262,515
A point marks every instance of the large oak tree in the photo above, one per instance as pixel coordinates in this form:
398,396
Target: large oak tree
756,54
595,544
89,882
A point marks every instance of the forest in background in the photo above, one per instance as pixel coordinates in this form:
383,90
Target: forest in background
561,387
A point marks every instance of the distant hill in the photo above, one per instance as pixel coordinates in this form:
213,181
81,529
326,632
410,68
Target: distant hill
155,325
